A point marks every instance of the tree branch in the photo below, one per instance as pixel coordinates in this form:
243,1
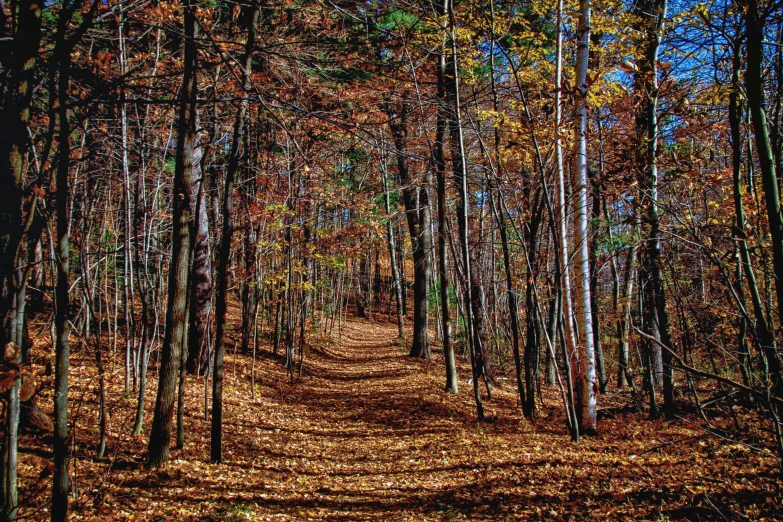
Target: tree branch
690,369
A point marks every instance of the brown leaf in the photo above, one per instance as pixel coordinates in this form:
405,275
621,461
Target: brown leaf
12,352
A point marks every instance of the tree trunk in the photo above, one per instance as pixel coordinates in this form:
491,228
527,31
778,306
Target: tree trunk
439,154
461,182
221,274
176,311
755,91
306,293
393,257
142,279
587,383
19,75
201,270
599,352
624,377
249,296
60,486
364,287
417,211
570,352
765,337
443,268
512,301
651,16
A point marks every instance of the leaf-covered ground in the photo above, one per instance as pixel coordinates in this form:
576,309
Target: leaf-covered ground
367,434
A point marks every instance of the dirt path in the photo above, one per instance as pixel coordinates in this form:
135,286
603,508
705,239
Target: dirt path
367,434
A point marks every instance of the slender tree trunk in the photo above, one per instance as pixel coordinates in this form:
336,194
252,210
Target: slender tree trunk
568,336
532,306
377,286
500,217
393,257
440,176
461,182
624,377
60,486
306,293
587,393
651,16
183,374
277,321
178,284
198,315
127,264
363,303
249,290
88,289
512,301
764,334
417,207
216,446
142,278
554,315
289,295
16,93
200,302
599,352
755,92
143,363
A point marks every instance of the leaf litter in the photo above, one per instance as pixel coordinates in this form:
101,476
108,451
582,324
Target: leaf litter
367,434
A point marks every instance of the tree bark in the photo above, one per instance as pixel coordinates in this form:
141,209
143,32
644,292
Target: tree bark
512,300
16,93
216,446
624,377
176,311
650,18
417,210
393,256
570,352
461,182
755,91
765,338
61,482
599,352
500,218
440,176
532,319
250,294
587,377
201,270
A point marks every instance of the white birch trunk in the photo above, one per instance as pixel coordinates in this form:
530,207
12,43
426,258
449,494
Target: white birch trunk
586,349
561,194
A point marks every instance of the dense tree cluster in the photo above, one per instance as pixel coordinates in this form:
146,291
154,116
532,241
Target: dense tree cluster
586,192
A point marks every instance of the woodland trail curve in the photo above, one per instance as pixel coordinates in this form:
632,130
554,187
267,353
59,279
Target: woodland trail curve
367,433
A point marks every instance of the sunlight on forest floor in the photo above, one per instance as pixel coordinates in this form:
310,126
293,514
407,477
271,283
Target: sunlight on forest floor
367,434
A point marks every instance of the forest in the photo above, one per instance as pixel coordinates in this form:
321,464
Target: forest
397,260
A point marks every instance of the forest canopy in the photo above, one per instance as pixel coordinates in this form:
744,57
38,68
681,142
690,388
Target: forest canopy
570,209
